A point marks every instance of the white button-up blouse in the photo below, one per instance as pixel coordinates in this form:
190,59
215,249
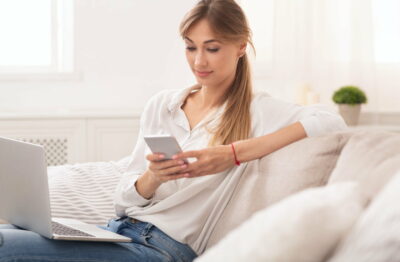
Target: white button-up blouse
187,209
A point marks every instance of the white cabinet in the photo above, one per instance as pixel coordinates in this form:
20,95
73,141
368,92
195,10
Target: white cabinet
75,138
111,139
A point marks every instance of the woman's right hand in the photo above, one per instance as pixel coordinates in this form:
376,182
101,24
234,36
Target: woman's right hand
158,172
164,170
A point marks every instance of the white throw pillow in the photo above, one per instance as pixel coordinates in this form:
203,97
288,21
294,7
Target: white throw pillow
85,191
376,235
303,227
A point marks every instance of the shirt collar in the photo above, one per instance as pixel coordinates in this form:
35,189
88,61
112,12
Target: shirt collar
178,98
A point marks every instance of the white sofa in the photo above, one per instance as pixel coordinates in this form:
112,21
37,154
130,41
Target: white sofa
368,158
274,203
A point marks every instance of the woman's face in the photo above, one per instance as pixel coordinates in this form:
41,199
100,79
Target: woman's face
212,60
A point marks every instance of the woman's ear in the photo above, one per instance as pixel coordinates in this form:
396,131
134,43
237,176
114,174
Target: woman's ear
242,50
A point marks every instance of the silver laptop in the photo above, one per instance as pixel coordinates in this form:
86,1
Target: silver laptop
24,196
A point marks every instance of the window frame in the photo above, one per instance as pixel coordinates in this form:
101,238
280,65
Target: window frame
62,66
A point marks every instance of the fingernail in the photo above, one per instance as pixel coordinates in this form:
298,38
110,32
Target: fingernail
186,175
183,166
161,156
174,157
180,162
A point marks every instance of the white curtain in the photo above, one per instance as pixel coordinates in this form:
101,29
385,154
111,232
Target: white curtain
321,45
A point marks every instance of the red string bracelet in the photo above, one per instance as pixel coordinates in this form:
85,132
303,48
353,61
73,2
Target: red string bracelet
237,162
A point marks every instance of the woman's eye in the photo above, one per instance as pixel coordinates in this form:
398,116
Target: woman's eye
213,50
189,48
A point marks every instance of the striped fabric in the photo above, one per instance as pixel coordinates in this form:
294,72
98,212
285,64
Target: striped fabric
85,191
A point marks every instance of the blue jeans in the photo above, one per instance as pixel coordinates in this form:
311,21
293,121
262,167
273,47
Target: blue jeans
149,244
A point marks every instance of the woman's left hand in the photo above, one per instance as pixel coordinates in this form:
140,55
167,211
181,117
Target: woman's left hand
209,160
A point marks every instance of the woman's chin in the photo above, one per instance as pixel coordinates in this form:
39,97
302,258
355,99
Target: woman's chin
203,81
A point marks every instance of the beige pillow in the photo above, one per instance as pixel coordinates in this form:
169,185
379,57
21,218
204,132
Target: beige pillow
304,227
376,235
305,163
369,157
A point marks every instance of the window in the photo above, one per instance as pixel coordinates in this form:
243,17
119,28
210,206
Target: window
36,36
337,29
387,30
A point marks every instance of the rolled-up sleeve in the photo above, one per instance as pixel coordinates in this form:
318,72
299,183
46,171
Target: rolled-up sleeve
317,119
320,119
126,194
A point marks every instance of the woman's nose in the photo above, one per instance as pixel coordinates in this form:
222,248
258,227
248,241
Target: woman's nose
200,59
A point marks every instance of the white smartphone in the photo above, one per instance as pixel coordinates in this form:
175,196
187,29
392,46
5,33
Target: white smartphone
164,144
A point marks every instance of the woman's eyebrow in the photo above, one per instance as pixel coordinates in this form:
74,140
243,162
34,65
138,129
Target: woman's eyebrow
205,42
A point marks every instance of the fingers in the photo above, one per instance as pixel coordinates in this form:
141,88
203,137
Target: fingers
187,154
172,170
155,157
163,165
177,168
171,173
175,176
192,167
200,168
166,170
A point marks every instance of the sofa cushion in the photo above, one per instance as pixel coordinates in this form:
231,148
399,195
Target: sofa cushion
303,227
305,163
369,157
376,235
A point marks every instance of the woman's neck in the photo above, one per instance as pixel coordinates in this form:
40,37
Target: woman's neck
213,96
210,97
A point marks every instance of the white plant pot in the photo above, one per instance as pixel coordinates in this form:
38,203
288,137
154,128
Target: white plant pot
350,113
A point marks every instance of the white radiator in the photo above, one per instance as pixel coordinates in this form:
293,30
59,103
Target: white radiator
56,149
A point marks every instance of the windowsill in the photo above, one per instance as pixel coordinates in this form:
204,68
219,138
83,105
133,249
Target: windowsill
13,77
392,128
380,118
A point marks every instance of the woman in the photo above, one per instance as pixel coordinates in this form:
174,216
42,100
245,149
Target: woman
169,208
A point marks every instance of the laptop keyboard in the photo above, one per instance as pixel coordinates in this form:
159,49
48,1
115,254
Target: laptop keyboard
63,230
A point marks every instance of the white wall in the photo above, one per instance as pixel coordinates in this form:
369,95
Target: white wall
127,50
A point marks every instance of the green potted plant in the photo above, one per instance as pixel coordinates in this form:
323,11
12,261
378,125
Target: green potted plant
349,100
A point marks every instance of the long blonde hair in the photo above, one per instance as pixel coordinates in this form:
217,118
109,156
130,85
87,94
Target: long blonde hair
230,24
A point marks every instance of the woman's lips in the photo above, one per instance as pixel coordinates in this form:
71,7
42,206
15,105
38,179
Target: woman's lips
203,73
